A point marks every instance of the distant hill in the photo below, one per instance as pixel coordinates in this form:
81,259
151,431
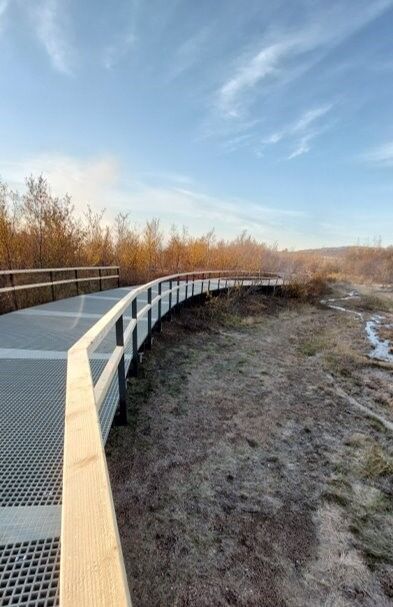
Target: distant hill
327,251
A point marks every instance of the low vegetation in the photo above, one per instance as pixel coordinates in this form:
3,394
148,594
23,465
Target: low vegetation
255,471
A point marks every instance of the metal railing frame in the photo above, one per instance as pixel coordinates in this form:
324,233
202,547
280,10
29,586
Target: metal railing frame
92,568
14,288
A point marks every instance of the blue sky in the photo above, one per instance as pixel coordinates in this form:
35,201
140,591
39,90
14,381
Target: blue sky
275,117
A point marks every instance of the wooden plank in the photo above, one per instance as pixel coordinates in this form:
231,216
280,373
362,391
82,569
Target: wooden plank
104,381
143,311
156,300
92,568
128,331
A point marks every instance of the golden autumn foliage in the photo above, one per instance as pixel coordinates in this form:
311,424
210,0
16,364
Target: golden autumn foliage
39,230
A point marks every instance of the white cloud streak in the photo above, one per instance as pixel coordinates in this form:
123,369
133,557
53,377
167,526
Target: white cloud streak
114,53
286,55
301,125
3,7
169,177
302,131
99,182
48,21
265,63
4,4
88,181
380,156
303,145
188,53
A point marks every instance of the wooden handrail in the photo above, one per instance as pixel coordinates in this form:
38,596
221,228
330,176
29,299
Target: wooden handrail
92,568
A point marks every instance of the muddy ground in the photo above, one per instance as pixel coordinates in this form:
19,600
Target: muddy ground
249,475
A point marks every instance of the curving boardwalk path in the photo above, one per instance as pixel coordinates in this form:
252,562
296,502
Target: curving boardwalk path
33,358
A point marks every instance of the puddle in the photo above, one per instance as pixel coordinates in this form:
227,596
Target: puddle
381,348
331,303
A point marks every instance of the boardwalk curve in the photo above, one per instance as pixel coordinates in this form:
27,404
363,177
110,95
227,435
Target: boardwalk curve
100,335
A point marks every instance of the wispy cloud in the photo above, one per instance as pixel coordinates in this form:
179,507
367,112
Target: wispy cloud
168,177
247,212
285,55
303,145
235,143
250,73
4,4
115,52
89,181
201,212
301,132
380,156
3,7
189,52
310,117
100,183
49,19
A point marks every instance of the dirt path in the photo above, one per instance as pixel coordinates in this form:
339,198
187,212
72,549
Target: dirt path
247,477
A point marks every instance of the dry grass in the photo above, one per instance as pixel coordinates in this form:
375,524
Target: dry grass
378,463
308,288
360,486
236,308
248,479
371,302
333,349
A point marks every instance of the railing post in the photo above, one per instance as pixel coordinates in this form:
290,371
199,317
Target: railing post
52,285
148,338
203,279
100,275
121,374
275,286
169,315
135,355
178,293
186,295
159,313
118,277
76,282
14,292
193,286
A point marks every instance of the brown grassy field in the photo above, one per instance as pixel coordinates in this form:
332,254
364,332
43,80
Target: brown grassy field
250,475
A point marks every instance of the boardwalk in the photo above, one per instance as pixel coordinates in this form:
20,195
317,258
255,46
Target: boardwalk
33,357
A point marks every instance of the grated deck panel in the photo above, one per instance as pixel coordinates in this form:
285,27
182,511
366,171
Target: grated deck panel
33,365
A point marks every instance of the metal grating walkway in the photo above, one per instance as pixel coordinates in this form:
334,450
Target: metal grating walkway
33,363
33,358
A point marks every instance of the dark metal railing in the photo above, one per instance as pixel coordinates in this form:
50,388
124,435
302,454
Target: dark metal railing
14,288
89,530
